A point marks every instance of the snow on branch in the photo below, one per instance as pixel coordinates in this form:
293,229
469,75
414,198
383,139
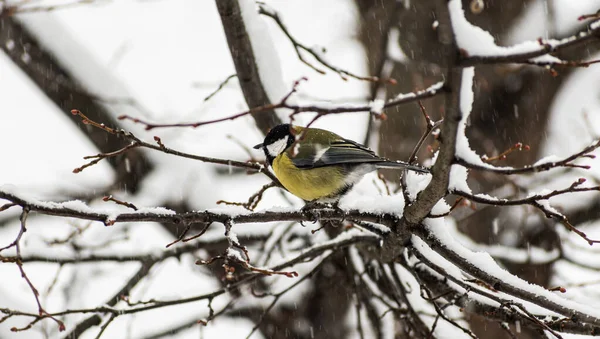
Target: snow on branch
77,209
477,46
532,254
482,267
463,149
541,165
478,297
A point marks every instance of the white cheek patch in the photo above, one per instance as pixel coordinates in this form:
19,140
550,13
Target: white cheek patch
277,147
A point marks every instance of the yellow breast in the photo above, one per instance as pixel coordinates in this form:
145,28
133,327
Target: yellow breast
308,184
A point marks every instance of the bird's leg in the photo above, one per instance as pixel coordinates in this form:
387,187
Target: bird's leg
311,209
336,207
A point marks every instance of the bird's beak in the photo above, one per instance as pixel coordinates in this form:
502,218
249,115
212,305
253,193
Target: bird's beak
259,146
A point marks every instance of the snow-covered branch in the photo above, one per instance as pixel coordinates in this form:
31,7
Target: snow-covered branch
77,209
481,267
478,47
546,164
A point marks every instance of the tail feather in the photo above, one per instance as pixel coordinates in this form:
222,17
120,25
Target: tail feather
400,164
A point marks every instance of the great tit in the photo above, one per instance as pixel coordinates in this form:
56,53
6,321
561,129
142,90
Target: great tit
318,165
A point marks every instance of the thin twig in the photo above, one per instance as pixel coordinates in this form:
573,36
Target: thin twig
105,325
298,47
502,156
297,109
136,142
534,200
278,295
254,199
119,202
41,312
221,85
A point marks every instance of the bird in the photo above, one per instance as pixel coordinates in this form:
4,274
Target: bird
320,166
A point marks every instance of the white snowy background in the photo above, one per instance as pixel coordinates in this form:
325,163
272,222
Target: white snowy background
168,55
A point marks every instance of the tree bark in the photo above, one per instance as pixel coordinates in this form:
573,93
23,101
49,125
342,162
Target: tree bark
245,63
511,105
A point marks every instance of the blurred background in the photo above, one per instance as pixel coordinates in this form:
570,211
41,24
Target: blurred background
159,60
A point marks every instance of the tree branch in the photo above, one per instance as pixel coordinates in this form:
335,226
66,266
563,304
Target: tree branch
298,47
42,68
546,47
437,188
498,283
541,166
439,285
245,63
95,320
66,210
160,146
321,109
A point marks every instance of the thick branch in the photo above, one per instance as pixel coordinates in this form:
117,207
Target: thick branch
479,273
245,63
438,186
440,286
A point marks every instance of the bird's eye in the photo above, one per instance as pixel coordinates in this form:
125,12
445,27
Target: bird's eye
477,6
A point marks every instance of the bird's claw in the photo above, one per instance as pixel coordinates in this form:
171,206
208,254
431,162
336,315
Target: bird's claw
312,209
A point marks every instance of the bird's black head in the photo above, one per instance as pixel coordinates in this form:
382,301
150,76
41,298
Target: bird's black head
277,141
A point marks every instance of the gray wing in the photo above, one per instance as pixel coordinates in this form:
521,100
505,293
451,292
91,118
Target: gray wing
338,152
